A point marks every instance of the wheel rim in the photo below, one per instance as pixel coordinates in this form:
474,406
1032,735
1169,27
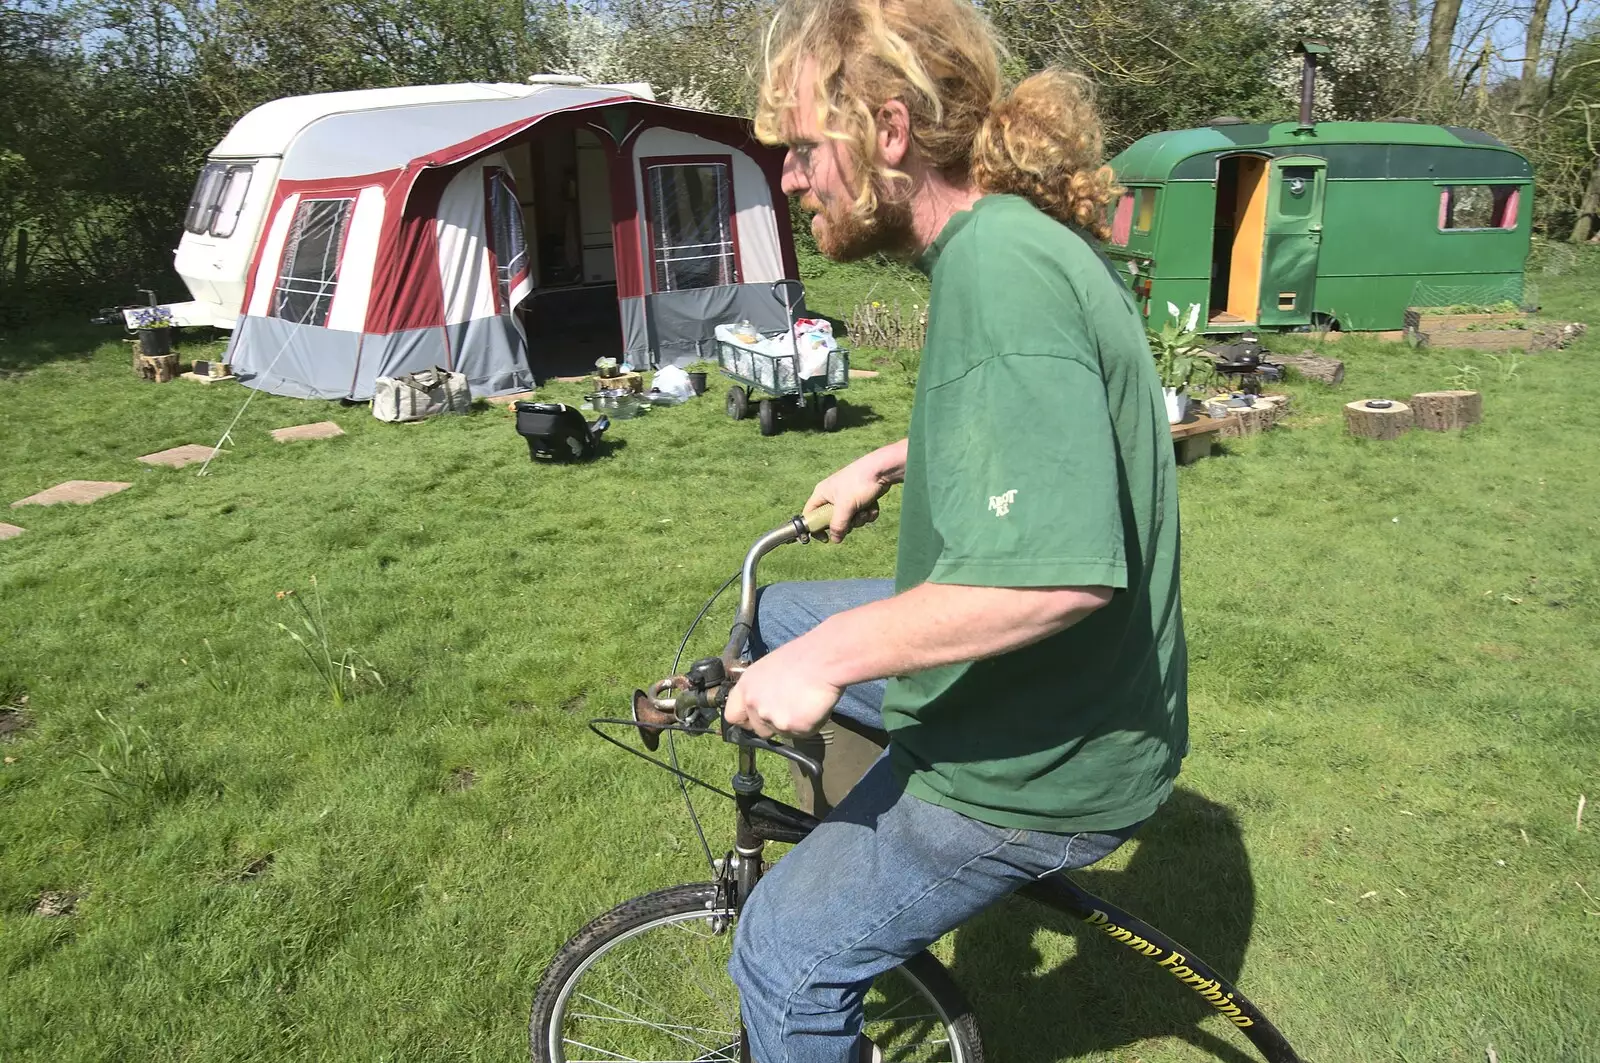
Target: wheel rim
667,998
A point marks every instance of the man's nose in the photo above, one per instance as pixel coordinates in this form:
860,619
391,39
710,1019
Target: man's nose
794,178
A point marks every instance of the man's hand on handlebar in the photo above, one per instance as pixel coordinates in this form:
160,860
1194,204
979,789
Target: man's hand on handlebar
854,490
781,694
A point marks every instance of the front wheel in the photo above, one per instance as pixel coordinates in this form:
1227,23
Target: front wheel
648,981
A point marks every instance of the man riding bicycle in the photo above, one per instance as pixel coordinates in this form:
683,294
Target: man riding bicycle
1032,639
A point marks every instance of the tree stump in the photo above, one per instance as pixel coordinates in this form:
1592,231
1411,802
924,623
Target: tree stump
1262,413
1390,421
159,368
1441,411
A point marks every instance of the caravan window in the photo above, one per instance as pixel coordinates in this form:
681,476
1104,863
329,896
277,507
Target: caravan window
507,242
691,226
218,198
231,200
1478,207
310,271
1147,210
203,204
1122,220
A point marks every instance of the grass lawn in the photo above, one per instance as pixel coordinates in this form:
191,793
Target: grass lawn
1396,665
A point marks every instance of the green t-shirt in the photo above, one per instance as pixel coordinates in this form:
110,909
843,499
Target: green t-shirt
1039,456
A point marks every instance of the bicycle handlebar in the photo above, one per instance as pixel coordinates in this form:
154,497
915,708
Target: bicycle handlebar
801,528
697,698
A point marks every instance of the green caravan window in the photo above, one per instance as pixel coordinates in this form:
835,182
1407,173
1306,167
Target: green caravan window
1147,210
1122,220
1478,207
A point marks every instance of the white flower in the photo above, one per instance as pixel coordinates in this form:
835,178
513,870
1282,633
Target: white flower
1172,308
1194,317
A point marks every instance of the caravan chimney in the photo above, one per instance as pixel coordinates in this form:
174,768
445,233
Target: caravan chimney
1309,49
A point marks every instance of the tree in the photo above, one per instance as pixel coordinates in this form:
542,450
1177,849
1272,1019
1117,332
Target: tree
1441,39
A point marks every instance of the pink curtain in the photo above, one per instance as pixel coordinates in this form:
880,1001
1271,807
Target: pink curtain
1122,223
1444,208
1508,212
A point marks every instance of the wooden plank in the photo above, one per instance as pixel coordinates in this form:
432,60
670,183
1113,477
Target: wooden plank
1487,340
1421,321
1197,426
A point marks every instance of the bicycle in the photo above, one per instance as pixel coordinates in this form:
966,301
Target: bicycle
648,979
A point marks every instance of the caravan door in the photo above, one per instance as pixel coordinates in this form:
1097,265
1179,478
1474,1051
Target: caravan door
1296,185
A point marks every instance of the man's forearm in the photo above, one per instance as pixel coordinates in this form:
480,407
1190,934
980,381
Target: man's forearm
938,624
890,462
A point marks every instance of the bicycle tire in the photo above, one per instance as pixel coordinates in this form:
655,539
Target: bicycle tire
693,903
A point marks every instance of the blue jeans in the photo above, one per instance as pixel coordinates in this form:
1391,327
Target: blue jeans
884,876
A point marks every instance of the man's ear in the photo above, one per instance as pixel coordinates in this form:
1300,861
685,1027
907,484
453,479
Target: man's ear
894,133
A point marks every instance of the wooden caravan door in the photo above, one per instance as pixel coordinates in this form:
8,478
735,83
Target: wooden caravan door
1293,240
1249,231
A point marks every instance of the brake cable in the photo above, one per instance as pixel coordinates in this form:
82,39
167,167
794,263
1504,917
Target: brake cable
672,745
633,726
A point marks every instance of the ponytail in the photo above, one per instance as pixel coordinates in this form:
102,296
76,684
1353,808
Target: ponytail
1043,142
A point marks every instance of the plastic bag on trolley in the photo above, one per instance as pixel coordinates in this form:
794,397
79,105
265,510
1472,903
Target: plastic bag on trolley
813,342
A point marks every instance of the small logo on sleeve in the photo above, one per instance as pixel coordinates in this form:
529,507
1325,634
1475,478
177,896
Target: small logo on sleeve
1000,505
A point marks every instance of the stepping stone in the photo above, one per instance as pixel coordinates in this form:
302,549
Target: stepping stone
320,430
80,492
198,379
178,457
9,531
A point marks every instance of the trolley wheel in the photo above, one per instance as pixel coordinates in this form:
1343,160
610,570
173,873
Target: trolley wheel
738,404
829,407
767,412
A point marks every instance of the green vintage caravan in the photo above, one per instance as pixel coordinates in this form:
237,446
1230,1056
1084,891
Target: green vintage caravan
1326,224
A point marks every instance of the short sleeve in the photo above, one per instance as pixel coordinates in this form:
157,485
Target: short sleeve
1023,476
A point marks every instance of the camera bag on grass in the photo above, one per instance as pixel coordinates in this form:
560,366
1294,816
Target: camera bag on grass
418,396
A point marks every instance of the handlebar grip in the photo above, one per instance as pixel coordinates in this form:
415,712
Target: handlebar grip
819,519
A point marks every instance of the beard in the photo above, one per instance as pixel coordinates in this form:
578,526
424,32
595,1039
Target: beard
844,237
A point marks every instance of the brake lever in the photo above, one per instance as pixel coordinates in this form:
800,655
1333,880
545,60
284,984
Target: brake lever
739,736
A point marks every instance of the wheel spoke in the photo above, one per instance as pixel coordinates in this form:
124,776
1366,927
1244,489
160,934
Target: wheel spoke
648,994
623,1017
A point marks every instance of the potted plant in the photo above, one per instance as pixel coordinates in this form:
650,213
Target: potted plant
1178,360
154,325
697,375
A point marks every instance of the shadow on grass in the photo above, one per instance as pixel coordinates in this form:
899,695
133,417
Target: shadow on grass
27,349
792,418
856,414
1190,877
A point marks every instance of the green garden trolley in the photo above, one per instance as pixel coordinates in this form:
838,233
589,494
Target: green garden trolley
776,376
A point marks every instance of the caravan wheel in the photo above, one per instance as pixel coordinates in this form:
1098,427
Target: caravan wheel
738,404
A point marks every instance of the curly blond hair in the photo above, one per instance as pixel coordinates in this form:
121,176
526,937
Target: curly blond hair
1041,139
